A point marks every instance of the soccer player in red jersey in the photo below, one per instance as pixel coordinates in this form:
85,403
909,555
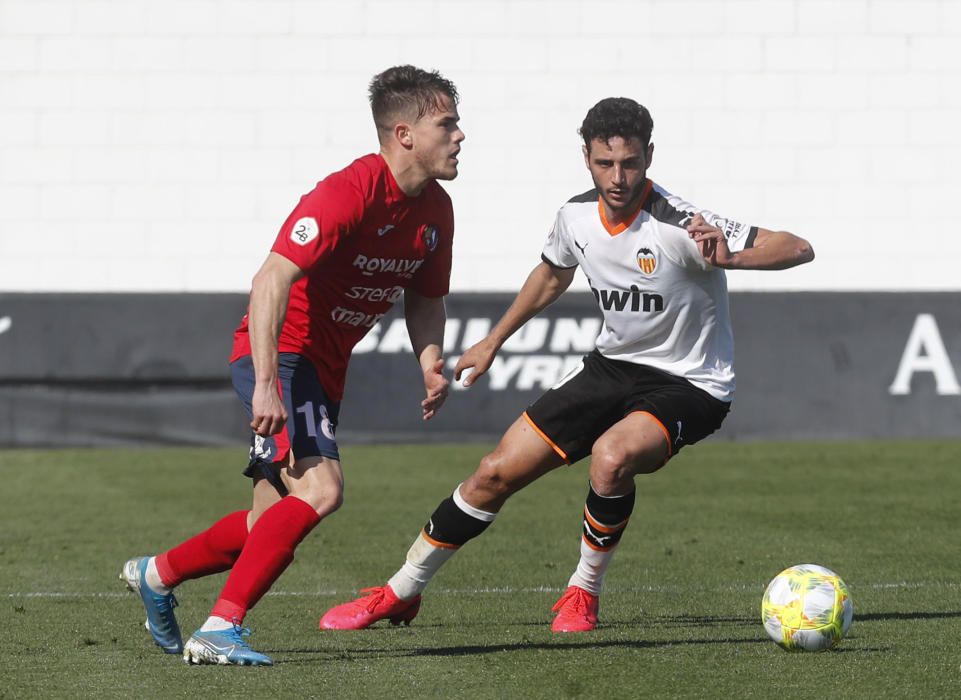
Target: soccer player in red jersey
661,376
367,236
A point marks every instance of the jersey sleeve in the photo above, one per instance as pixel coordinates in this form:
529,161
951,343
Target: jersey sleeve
675,211
558,251
433,277
322,218
739,236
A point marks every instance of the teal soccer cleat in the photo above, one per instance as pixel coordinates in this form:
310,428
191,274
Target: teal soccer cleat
224,647
161,622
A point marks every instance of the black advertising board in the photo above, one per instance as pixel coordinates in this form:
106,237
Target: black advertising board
138,369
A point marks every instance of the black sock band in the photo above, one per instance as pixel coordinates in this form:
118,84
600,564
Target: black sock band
606,518
450,525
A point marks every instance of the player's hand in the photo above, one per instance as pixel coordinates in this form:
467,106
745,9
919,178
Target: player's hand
711,242
270,414
436,385
478,358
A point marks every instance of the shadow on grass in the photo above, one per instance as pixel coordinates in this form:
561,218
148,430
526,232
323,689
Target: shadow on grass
309,655
328,655
494,648
869,617
708,620
688,620
576,646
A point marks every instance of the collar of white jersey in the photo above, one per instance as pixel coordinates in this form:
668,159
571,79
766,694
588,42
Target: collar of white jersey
622,227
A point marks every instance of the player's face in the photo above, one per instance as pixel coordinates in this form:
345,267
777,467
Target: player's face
619,171
437,139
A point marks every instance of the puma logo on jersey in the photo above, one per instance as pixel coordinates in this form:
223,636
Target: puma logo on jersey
632,299
385,229
581,247
678,437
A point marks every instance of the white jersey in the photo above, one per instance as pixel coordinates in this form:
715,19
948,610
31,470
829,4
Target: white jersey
664,305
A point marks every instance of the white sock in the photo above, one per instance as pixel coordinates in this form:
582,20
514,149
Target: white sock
424,559
590,570
215,624
152,578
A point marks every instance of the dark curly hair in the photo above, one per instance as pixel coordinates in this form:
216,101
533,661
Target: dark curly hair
407,91
617,116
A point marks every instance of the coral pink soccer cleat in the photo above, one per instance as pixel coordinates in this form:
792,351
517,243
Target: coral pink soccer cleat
366,610
576,611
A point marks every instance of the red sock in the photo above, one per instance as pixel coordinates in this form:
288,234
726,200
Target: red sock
213,550
268,551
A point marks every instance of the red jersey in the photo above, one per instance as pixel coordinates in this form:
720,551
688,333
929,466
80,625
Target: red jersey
361,241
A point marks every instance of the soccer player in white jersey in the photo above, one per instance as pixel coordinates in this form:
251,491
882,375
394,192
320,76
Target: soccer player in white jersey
660,378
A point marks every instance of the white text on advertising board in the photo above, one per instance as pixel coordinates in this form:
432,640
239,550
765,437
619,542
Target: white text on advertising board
925,352
535,358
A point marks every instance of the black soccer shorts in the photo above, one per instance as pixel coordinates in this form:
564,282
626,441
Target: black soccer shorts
600,392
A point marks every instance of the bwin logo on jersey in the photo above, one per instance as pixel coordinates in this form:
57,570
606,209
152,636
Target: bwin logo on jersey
628,300
646,260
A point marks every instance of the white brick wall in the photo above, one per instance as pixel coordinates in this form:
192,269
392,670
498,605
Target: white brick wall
158,144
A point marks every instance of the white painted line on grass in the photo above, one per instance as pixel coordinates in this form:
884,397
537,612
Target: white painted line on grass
504,590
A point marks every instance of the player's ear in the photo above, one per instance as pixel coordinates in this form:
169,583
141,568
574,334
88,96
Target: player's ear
587,155
403,134
650,153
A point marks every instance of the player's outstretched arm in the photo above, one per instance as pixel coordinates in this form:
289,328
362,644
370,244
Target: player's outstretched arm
268,306
544,284
772,250
426,318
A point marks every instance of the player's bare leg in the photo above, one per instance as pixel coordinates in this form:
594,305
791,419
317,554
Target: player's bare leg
637,444
316,490
265,495
521,457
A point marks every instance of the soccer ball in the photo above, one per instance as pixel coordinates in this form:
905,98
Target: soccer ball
807,607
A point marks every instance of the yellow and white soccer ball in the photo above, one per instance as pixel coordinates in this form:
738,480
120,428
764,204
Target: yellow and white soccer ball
807,607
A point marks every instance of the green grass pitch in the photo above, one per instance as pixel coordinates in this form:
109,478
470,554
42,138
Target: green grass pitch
679,618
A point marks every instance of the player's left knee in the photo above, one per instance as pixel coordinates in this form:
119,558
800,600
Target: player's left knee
612,469
323,501
318,483
613,466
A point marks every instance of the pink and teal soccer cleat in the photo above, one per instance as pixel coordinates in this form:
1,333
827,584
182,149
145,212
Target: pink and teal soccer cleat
363,612
576,611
